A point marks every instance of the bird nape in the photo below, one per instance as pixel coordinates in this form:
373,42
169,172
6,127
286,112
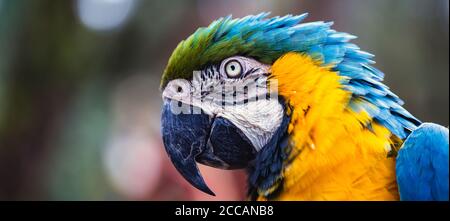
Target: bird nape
302,108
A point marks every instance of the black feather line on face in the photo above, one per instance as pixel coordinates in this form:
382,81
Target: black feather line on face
251,71
210,72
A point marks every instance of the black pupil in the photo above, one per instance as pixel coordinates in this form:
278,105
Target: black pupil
232,67
179,89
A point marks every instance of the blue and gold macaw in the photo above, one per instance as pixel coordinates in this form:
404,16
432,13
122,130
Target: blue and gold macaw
302,109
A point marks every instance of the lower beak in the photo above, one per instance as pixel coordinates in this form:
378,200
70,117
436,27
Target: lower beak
180,130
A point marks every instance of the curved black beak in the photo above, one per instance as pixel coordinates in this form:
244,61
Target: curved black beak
185,136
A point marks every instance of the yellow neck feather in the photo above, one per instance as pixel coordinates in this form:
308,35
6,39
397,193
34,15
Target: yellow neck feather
335,156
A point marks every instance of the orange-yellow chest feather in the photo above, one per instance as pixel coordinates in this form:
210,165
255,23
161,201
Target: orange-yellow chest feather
334,156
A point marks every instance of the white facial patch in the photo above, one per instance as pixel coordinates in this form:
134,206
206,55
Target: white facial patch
244,99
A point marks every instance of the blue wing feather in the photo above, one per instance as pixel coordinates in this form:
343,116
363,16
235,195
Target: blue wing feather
422,164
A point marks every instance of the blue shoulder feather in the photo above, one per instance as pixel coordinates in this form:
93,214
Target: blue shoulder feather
422,164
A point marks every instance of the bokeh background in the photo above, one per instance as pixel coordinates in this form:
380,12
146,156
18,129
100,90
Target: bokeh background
79,96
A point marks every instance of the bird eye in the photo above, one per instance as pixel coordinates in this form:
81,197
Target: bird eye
233,69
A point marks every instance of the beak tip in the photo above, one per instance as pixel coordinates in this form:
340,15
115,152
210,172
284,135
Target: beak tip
200,184
208,191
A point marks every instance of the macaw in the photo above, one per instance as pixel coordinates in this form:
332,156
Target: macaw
302,109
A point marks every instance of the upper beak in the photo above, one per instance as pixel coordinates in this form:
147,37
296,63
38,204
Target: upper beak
185,137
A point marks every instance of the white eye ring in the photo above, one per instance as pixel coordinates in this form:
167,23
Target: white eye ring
233,69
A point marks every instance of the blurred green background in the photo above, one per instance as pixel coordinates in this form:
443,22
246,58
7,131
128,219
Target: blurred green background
79,97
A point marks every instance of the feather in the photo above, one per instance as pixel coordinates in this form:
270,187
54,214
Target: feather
422,164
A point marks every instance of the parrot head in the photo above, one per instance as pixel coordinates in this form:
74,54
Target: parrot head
221,106
218,107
